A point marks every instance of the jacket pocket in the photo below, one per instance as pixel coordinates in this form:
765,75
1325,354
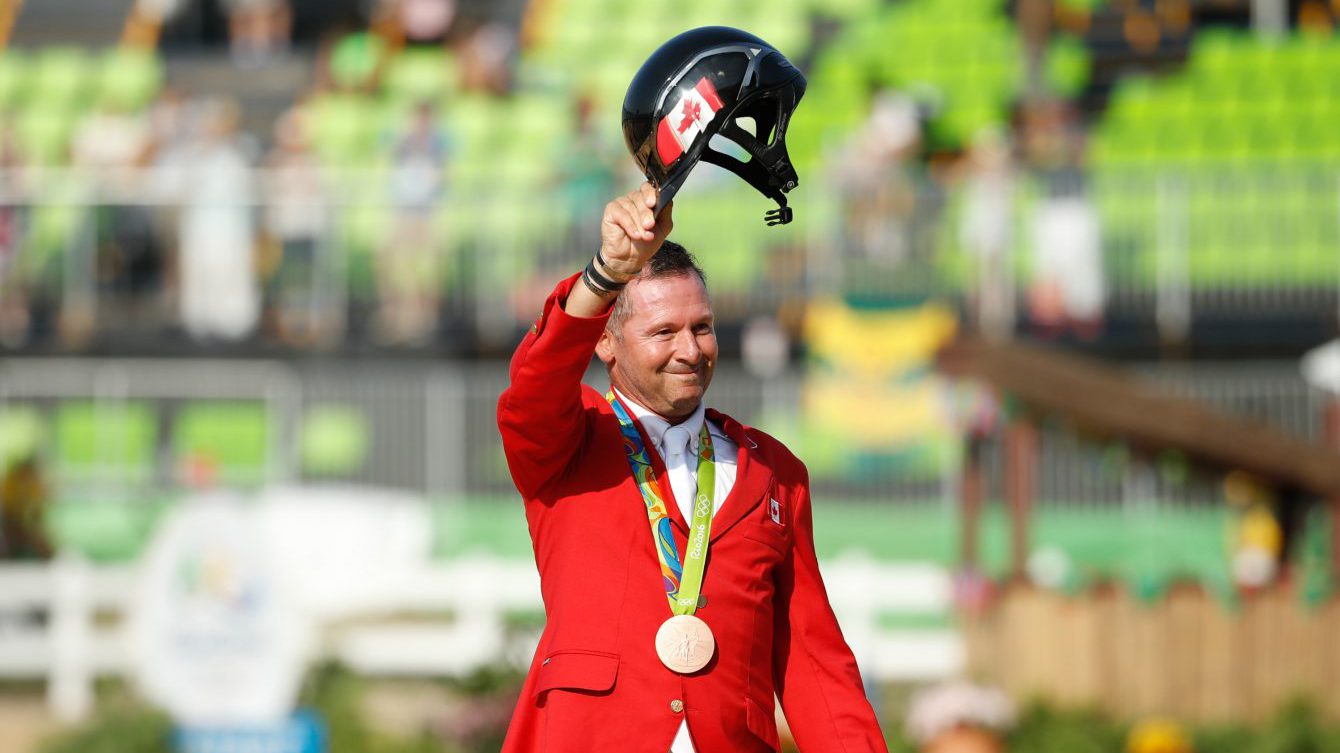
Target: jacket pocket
591,672
767,534
761,723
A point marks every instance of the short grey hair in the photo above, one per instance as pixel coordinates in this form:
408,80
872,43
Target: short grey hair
672,259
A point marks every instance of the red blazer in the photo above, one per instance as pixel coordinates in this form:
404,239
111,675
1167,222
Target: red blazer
595,684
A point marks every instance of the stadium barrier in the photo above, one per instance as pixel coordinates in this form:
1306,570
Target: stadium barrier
1177,245
67,622
1184,655
128,431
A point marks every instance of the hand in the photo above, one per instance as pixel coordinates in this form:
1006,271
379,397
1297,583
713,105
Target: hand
630,235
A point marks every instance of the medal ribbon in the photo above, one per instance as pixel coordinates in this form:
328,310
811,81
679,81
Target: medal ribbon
683,582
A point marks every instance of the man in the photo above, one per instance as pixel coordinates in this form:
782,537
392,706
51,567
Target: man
611,483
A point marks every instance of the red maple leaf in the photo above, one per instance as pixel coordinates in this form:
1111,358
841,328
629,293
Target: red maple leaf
692,112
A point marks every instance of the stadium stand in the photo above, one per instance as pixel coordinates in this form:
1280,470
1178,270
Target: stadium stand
1234,144
1249,129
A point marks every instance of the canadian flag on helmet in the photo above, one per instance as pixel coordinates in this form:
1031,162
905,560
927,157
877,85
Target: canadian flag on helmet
688,118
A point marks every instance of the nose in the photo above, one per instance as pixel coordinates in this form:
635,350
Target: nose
686,346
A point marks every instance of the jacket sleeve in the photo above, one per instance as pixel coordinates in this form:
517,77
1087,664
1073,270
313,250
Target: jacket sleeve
540,413
814,671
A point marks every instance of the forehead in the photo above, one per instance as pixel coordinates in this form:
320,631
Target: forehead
667,297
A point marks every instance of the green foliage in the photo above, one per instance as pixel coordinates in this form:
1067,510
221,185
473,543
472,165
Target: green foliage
336,694
122,726
1296,728
1042,729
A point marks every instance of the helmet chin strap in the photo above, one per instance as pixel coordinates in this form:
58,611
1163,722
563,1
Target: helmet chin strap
770,170
759,177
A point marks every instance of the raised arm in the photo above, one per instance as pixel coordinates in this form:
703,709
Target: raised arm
540,413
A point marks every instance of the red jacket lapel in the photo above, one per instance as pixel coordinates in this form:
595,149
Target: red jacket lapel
752,478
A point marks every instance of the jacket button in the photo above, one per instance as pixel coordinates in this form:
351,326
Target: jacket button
677,706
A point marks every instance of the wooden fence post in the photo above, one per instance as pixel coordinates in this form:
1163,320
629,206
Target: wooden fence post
1021,456
971,491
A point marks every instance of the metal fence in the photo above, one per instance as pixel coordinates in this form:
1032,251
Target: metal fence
431,427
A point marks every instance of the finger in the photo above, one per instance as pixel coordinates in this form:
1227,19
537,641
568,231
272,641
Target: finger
642,216
649,194
619,216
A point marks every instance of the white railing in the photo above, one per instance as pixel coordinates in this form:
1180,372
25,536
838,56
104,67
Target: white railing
66,622
432,425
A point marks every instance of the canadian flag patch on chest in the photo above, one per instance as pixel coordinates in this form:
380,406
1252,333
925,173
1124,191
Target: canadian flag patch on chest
686,120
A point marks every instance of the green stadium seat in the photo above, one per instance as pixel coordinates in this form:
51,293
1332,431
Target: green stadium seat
355,58
43,134
334,440
345,128
849,10
233,437
473,123
14,79
22,433
106,444
1067,66
61,77
129,79
52,227
420,74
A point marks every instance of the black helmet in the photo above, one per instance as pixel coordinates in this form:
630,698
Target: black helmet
702,83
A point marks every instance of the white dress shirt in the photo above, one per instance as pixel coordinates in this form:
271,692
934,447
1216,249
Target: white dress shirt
726,454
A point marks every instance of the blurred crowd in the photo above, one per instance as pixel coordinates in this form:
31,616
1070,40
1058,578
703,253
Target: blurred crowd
198,222
188,217
894,197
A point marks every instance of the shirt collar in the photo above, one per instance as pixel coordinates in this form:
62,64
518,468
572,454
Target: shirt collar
655,425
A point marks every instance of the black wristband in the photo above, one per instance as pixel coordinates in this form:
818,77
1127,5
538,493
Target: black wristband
610,286
592,286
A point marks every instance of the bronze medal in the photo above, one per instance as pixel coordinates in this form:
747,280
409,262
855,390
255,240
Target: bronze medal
685,644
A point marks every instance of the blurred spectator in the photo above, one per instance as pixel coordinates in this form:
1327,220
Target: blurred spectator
295,220
258,30
875,177
170,124
764,348
424,21
409,267
1051,135
959,717
1257,540
15,318
111,143
110,139
588,173
487,56
217,289
1315,20
987,230
1067,290
23,498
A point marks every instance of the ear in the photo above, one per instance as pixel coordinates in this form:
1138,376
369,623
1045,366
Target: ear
605,348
